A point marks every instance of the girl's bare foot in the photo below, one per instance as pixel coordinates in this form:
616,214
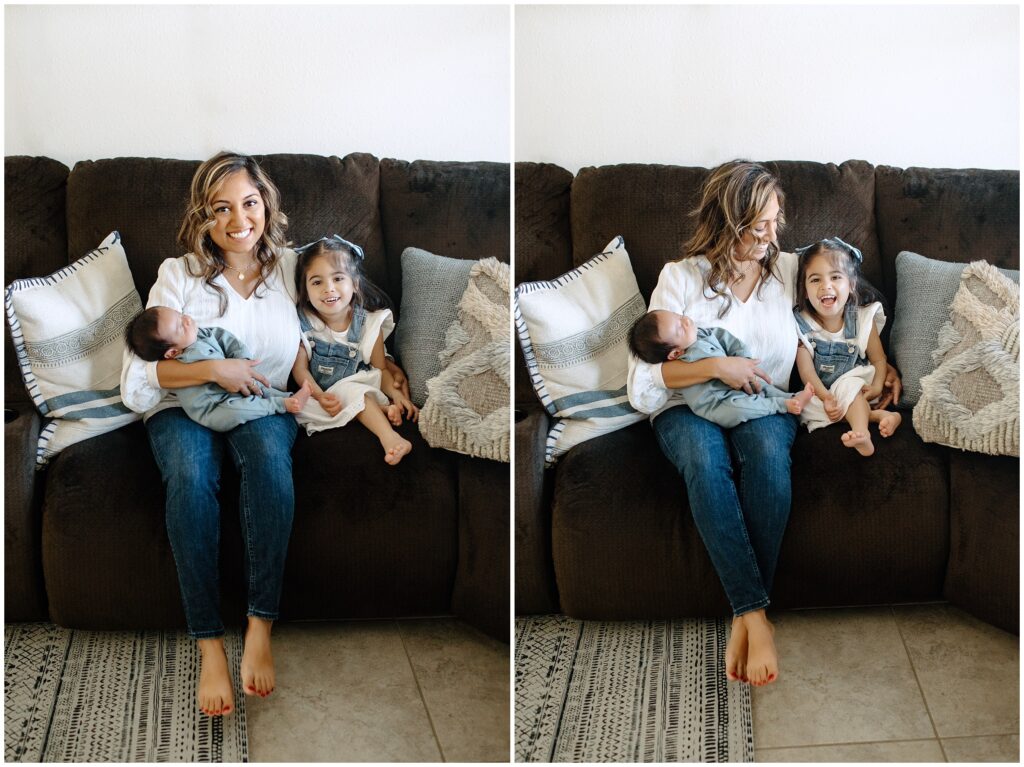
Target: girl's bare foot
762,660
859,441
215,696
736,652
888,423
297,401
395,448
394,414
257,662
798,402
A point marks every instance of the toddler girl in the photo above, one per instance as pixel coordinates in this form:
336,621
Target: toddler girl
840,355
344,323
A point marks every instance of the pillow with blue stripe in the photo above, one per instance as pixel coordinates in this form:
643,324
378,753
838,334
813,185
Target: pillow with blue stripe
573,332
68,332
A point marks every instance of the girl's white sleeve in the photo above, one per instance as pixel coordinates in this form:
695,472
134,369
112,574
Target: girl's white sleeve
644,382
378,323
140,387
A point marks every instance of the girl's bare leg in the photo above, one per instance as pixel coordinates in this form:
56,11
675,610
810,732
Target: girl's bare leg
762,660
736,651
859,438
887,421
257,662
373,418
214,696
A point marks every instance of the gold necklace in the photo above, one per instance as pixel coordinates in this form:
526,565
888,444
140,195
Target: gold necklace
241,274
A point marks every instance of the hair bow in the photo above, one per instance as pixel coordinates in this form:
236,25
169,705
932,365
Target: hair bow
355,249
836,243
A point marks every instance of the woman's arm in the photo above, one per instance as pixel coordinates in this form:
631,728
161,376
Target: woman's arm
387,383
231,375
876,356
734,372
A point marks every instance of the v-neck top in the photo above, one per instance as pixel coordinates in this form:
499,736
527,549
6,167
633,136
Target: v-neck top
266,322
764,323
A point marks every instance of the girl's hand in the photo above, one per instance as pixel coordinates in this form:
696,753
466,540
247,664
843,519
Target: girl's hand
397,376
741,373
239,376
331,403
891,389
394,414
832,408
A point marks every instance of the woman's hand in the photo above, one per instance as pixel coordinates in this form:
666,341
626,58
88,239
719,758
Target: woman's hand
405,406
741,373
331,403
239,376
891,389
398,377
832,408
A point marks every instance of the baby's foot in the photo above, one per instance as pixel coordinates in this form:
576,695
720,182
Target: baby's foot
736,652
762,660
297,401
798,402
859,441
257,662
395,448
214,695
394,414
888,423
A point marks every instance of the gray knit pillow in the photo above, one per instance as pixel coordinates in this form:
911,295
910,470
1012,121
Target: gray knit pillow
925,289
431,289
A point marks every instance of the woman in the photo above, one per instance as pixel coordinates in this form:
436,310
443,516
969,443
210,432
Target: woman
237,275
734,276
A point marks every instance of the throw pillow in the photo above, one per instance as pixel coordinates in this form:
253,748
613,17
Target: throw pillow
925,289
972,400
467,408
68,332
573,332
431,289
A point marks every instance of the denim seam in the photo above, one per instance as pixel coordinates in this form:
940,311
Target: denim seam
761,604
741,493
206,634
254,613
244,506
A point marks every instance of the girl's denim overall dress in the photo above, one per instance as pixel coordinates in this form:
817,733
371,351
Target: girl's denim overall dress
833,358
334,360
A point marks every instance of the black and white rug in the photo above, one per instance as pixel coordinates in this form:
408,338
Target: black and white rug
96,696
627,691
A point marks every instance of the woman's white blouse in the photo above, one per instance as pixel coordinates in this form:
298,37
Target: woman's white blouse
764,323
268,325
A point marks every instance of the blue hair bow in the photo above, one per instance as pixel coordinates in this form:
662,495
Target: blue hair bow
356,250
836,243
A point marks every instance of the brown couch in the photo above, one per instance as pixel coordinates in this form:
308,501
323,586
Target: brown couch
607,533
85,540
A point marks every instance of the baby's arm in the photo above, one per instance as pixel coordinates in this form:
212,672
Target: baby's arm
387,382
733,346
805,366
876,356
331,403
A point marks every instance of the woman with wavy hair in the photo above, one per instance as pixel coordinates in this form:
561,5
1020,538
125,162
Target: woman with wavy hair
732,275
238,275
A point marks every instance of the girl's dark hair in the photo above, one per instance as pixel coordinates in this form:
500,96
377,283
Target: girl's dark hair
142,336
645,342
841,256
364,292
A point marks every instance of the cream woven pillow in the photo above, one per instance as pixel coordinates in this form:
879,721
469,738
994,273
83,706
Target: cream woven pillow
972,400
467,406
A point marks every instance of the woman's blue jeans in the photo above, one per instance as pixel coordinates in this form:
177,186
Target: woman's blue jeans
738,483
189,456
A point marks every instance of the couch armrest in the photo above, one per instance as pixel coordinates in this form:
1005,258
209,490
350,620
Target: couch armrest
536,592
24,592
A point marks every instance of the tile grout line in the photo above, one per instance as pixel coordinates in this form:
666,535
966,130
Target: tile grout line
920,688
862,743
419,689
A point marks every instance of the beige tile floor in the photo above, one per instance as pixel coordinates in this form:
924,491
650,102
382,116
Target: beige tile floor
921,683
405,691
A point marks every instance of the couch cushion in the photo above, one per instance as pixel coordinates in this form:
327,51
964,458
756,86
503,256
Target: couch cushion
948,215
457,209
24,594
35,237
630,550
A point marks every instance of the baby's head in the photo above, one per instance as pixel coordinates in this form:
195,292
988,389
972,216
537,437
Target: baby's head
828,278
661,336
160,333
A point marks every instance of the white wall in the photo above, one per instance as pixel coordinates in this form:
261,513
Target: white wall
410,82
932,86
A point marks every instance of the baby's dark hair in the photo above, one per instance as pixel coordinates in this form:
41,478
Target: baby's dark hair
646,343
143,338
841,256
342,255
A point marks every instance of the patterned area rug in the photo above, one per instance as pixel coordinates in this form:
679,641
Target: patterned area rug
629,691
95,696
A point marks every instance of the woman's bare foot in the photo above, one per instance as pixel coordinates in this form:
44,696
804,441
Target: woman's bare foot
888,423
297,401
762,660
736,652
257,662
214,696
395,447
859,441
798,402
